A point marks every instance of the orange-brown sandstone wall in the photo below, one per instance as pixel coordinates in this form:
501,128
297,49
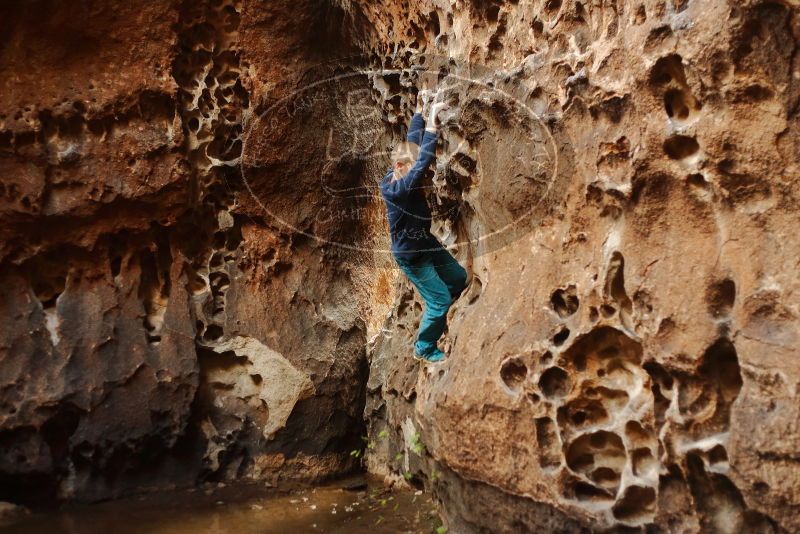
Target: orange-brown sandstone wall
624,183
193,276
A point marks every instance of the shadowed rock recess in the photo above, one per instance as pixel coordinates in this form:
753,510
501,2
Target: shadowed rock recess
620,178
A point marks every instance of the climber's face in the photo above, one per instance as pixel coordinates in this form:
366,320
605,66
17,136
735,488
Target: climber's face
403,157
401,168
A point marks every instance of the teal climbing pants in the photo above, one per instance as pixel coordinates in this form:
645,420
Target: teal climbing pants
439,279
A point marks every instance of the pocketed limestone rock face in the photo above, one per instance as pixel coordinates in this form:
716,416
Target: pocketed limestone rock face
97,358
625,358
158,329
191,265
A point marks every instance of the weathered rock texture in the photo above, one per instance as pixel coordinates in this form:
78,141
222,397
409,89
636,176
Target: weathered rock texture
629,359
158,329
188,279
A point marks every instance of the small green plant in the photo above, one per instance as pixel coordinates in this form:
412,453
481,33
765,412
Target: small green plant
356,453
416,444
408,476
382,434
441,529
398,456
434,476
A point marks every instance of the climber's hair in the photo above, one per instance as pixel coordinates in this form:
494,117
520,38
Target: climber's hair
404,152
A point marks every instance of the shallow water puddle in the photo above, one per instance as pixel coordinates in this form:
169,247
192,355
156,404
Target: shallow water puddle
243,509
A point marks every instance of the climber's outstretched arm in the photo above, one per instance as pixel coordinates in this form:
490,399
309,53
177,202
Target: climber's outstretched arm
418,120
427,153
415,128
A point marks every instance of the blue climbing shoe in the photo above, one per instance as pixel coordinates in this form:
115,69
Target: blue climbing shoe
434,356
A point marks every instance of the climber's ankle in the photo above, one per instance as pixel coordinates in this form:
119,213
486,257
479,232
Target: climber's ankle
432,356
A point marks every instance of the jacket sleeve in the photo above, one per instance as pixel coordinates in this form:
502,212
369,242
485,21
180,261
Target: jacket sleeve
415,129
427,153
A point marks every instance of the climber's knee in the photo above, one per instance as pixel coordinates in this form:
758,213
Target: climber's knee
437,311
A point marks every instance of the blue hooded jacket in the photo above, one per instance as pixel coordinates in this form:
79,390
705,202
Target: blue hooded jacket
406,207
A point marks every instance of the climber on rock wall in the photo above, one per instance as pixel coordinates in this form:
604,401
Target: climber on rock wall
435,273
